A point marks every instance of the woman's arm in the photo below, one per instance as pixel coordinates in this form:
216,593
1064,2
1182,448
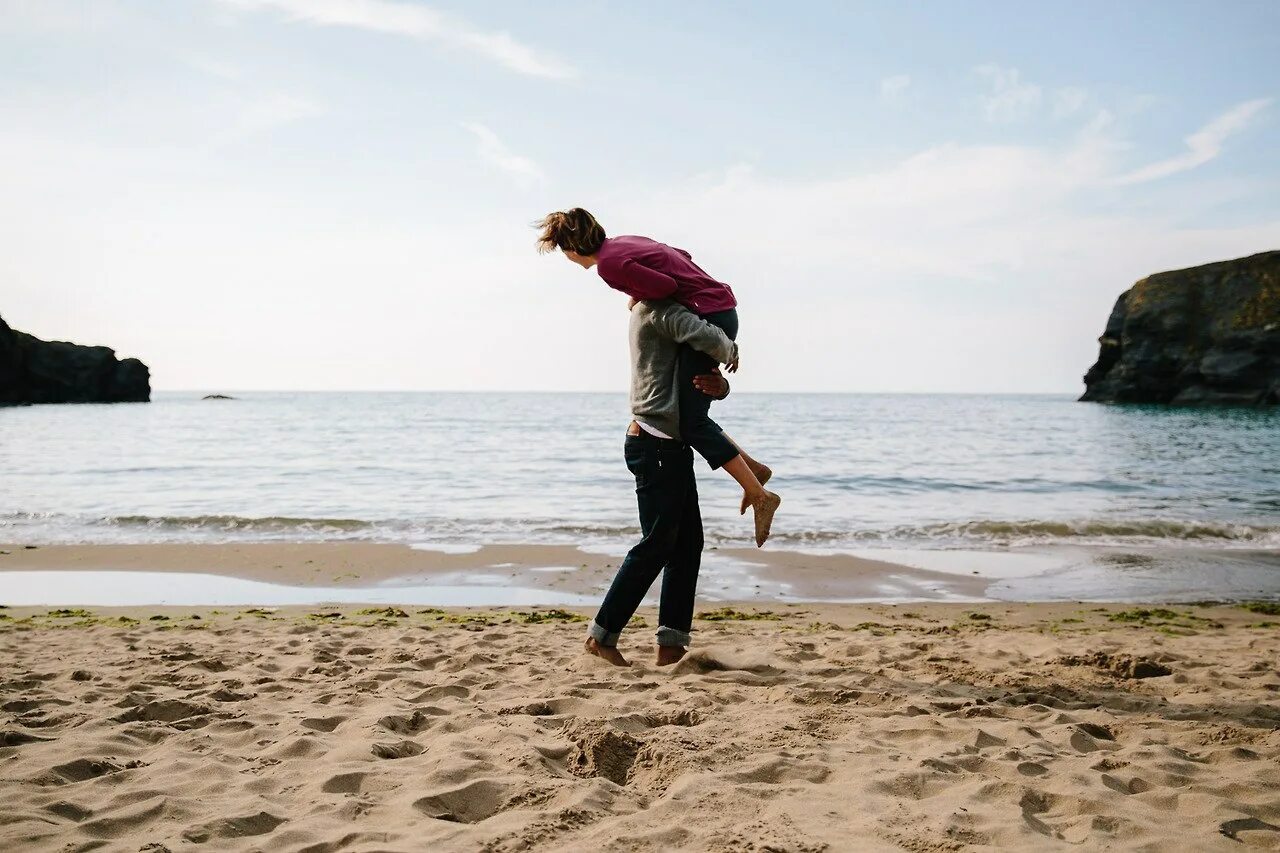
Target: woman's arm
635,279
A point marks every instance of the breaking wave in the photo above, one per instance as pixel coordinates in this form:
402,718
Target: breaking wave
54,527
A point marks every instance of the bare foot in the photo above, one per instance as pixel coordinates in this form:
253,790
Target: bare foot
609,653
668,655
765,506
763,473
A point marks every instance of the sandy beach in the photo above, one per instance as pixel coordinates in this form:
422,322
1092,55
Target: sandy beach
788,728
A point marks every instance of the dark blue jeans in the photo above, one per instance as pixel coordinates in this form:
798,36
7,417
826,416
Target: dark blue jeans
696,427
671,524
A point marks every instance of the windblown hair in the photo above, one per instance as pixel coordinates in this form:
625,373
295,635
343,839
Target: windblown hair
575,230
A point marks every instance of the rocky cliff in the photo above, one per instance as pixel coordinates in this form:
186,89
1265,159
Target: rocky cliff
36,371
1204,335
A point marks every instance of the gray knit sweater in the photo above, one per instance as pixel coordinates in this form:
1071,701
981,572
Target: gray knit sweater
658,327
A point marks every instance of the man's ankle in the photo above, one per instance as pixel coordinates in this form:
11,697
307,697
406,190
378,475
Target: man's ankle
668,655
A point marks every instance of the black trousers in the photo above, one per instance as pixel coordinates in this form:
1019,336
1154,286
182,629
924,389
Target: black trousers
671,524
696,427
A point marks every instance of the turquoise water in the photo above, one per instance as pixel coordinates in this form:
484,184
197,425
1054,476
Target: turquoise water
856,471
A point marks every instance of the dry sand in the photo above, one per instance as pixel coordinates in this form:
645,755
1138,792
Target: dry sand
837,727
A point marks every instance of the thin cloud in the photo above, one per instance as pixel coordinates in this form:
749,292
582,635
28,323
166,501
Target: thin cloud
893,88
1068,101
263,113
493,150
418,22
1011,97
1203,145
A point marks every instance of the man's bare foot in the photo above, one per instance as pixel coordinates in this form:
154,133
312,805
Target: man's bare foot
668,655
765,506
763,473
609,653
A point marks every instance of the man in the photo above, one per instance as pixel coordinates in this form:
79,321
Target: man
667,494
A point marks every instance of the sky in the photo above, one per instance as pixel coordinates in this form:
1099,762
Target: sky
338,194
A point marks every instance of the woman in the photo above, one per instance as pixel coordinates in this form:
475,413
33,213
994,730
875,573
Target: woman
646,269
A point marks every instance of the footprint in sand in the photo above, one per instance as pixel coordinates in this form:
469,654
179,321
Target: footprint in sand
234,827
1234,828
175,712
86,768
412,723
1135,785
470,803
16,738
69,811
441,691
212,665
322,724
343,783
125,821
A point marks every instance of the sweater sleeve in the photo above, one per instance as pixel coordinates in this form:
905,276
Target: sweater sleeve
635,279
684,327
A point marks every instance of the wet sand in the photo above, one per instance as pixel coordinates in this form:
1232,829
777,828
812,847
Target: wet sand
923,727
735,573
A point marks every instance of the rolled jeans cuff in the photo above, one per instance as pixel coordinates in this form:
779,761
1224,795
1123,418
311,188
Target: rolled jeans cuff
672,637
601,636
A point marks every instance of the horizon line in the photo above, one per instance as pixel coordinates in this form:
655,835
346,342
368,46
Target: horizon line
563,391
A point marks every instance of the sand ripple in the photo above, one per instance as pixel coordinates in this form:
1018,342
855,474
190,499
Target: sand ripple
833,728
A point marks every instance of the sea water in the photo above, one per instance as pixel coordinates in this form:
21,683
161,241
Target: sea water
856,471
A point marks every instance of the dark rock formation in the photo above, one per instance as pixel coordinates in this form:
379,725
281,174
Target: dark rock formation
36,371
217,397
1205,335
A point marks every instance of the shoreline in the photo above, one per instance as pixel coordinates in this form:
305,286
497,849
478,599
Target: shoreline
285,573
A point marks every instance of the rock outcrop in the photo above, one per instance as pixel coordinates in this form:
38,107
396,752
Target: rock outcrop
36,371
1204,335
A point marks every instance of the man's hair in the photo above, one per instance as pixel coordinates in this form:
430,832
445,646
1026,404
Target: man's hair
575,230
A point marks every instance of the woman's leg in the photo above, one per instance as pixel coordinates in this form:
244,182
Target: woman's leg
761,472
705,435
696,427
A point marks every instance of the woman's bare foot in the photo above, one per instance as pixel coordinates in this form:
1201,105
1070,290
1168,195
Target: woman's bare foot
763,473
609,653
765,506
668,655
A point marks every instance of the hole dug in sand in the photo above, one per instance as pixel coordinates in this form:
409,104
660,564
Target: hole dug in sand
402,749
602,752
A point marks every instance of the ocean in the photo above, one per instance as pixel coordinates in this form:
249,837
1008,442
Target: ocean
856,471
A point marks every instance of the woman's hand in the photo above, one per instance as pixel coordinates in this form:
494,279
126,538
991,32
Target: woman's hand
732,366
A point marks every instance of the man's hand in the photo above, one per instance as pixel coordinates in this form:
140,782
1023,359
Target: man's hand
712,384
